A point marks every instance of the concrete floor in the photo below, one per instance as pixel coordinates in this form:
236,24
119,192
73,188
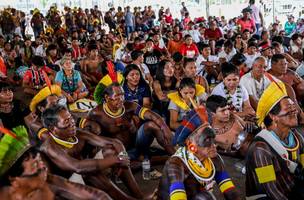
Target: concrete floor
237,177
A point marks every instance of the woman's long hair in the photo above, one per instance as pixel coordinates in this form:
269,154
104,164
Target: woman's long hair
160,74
128,69
186,82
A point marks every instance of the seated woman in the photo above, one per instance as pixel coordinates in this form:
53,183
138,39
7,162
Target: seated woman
70,81
239,44
236,95
135,87
180,101
190,71
12,111
165,82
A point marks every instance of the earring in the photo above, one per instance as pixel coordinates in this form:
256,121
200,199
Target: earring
192,148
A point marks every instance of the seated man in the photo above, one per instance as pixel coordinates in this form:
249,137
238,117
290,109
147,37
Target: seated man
207,64
274,167
279,70
65,149
256,81
90,66
116,118
45,98
35,78
193,170
233,135
27,173
48,97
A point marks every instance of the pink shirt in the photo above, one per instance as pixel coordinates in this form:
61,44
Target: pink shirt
248,24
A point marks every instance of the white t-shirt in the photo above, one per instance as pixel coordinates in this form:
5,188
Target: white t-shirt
40,51
195,34
250,59
144,69
219,90
253,86
256,14
228,57
200,59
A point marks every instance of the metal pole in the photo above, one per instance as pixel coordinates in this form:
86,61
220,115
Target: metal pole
273,11
207,9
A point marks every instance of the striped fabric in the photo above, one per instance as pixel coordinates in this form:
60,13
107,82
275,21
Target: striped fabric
177,191
224,181
266,173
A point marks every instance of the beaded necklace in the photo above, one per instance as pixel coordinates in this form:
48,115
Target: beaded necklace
68,144
239,98
70,82
259,91
111,114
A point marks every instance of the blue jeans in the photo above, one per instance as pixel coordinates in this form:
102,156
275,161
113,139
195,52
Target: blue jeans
258,32
129,29
142,144
37,31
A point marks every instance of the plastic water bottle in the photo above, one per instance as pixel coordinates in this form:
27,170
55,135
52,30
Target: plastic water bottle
146,169
240,167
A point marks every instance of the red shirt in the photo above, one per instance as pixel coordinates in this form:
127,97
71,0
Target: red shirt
168,19
76,53
213,34
189,52
186,22
139,46
248,24
3,69
36,76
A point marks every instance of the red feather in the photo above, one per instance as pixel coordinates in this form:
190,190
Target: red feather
272,80
111,70
47,80
202,113
8,132
3,68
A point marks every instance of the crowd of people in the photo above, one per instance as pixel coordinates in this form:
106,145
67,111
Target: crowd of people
84,97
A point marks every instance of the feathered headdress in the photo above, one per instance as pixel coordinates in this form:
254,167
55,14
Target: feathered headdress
192,121
107,80
270,97
12,147
44,93
175,97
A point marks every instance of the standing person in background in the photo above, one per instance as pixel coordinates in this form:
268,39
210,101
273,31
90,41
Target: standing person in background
183,11
246,22
186,21
257,16
129,21
37,22
290,25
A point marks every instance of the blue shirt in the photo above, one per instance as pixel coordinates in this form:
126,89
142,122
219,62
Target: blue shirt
69,85
289,28
129,19
142,91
